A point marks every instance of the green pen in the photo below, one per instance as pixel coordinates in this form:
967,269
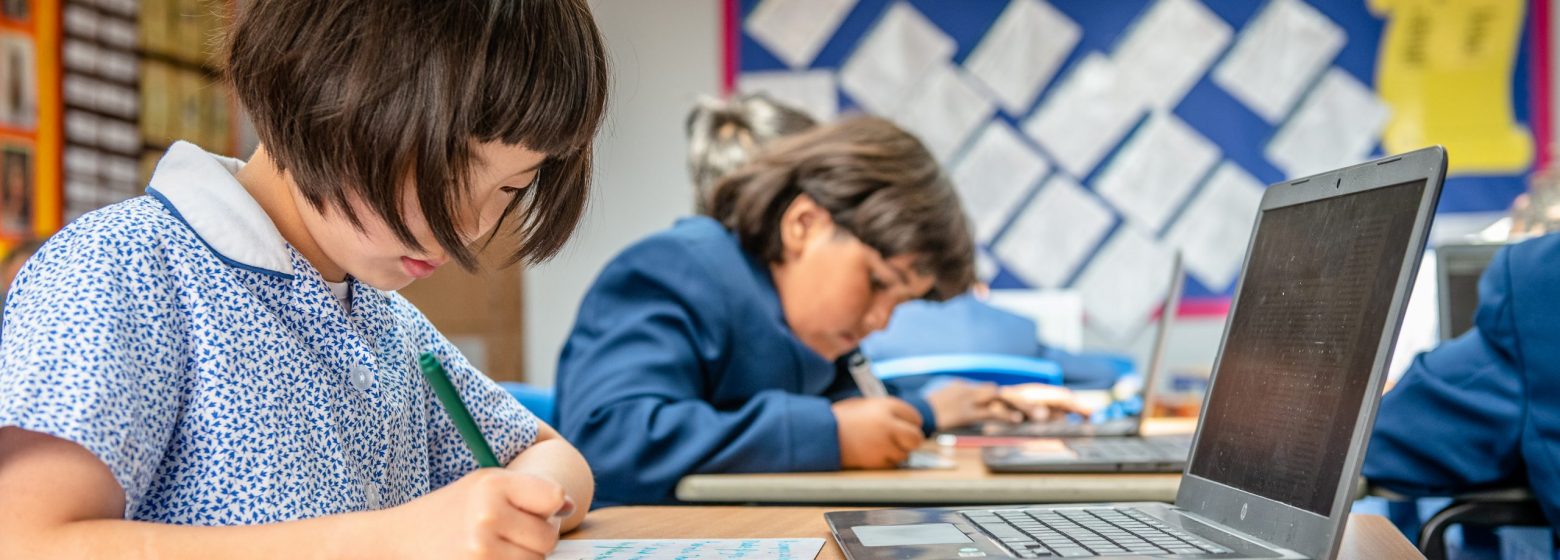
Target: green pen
440,381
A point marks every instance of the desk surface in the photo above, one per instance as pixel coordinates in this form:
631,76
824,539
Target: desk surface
1368,536
969,483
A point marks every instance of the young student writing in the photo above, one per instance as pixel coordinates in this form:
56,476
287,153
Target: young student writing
717,345
221,369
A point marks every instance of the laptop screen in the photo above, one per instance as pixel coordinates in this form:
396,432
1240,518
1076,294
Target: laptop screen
1461,266
1304,336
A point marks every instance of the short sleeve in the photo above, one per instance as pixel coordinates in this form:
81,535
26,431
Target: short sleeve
509,428
90,352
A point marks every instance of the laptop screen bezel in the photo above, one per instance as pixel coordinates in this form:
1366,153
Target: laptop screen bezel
1281,524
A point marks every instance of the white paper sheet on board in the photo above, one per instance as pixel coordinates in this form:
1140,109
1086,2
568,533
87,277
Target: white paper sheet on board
1085,116
901,48
1150,178
943,110
813,91
1022,51
994,175
1338,124
1169,49
1279,54
1213,232
795,30
1054,233
1125,283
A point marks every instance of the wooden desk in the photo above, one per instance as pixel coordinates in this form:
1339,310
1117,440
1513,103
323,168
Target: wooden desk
1367,537
969,483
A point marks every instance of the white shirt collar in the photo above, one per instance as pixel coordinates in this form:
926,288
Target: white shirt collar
200,189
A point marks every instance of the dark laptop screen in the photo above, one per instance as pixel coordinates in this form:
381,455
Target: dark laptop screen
1460,268
1305,332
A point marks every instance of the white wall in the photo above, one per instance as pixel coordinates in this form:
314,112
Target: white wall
663,55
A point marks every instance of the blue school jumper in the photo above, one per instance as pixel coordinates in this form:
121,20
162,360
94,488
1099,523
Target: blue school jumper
680,362
182,341
1483,410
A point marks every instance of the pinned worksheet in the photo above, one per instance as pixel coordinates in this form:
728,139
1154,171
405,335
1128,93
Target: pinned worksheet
1277,56
897,53
1213,232
1150,178
1085,116
1022,51
690,549
1169,49
1125,283
1054,233
1338,124
812,91
795,30
994,175
943,109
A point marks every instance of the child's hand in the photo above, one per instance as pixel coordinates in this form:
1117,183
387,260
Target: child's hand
1044,402
961,403
490,513
876,433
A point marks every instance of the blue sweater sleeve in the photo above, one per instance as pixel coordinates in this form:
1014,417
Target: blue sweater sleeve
1453,422
634,380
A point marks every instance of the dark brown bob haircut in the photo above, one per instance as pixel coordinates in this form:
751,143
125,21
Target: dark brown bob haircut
877,182
358,98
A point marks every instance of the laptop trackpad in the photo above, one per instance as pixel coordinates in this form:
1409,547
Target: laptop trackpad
909,535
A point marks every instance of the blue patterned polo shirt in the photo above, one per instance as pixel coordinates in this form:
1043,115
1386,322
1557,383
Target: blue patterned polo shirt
182,341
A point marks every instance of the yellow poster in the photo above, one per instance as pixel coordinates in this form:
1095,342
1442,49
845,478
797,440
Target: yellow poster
1445,69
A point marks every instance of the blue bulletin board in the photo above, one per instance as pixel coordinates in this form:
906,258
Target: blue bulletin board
1239,133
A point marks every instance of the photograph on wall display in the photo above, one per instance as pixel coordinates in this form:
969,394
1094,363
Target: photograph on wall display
16,10
16,191
18,81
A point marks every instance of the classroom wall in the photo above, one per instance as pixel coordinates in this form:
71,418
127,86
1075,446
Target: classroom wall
663,55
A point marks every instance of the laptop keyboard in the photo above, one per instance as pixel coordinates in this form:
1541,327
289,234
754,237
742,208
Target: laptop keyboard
1159,448
1073,533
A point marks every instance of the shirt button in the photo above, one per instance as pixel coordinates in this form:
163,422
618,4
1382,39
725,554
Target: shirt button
361,377
371,493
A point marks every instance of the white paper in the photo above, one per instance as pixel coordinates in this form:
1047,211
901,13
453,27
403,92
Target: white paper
994,175
1058,314
1022,52
1170,49
897,53
812,91
1085,116
1156,170
1054,233
1278,54
672,549
1125,283
943,110
795,30
1213,232
1337,125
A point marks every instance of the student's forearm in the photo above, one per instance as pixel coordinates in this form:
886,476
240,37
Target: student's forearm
556,460
338,536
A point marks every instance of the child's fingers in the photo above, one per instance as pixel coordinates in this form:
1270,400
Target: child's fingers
906,436
903,411
537,496
532,534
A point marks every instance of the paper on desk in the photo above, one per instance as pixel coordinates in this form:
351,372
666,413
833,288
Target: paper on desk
1085,116
994,175
1277,55
1338,124
1125,283
795,30
1213,232
812,91
1169,49
1156,169
1054,233
896,54
943,109
1022,52
673,549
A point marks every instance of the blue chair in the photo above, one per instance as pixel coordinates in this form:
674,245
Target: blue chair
541,401
994,368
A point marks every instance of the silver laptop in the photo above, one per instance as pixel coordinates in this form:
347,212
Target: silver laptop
1116,446
1290,407
1129,426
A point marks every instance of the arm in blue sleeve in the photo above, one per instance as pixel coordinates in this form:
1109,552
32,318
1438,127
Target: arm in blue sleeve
1453,422
633,389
